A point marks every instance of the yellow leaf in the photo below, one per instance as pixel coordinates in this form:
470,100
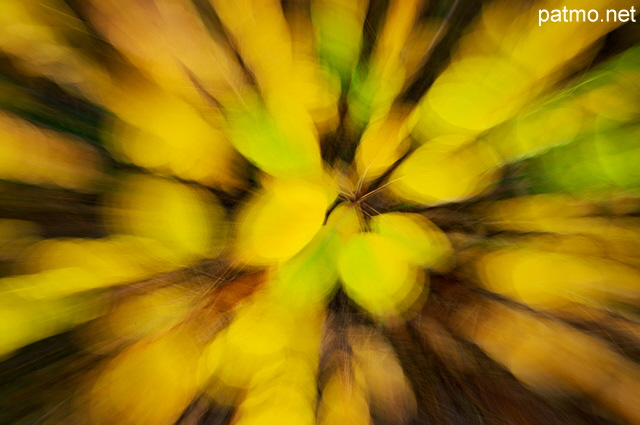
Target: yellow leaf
161,132
376,273
39,156
151,382
382,144
278,400
310,278
347,219
279,221
343,403
188,220
424,242
169,43
276,135
475,94
553,279
445,170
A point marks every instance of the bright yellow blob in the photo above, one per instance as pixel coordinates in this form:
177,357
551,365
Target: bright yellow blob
151,382
383,143
552,279
278,222
377,274
447,169
424,242
188,220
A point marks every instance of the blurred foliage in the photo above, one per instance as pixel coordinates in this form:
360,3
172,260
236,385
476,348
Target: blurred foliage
318,211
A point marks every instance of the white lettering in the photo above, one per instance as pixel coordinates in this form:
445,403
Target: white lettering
540,19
